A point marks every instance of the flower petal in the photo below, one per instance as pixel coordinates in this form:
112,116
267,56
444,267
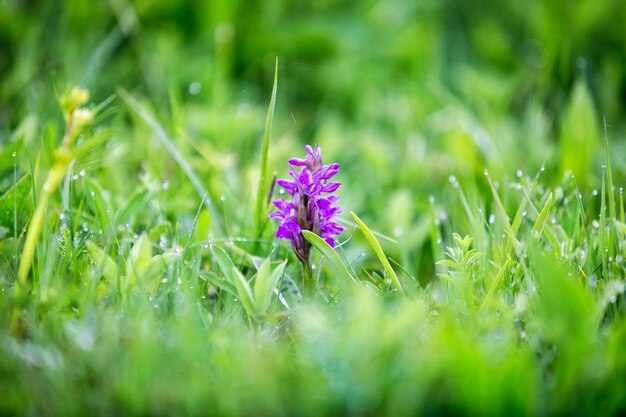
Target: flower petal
298,162
283,205
327,171
331,187
288,185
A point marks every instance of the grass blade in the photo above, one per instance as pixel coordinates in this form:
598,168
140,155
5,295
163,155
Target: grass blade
261,205
371,239
235,276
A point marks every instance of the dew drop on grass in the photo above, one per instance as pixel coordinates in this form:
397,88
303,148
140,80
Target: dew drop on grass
618,259
164,280
439,241
524,213
543,168
492,218
519,173
75,177
613,299
431,199
82,173
93,194
14,154
281,191
522,334
594,192
453,181
518,186
166,185
397,231
195,88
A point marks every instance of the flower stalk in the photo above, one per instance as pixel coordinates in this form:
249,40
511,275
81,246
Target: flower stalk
76,118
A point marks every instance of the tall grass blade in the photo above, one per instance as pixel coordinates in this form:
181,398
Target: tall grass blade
261,197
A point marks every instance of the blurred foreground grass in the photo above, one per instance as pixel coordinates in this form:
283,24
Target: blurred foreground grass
447,117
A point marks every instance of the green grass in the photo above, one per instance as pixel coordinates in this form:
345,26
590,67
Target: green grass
482,271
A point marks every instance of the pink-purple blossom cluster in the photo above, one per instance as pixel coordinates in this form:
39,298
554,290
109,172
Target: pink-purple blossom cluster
308,209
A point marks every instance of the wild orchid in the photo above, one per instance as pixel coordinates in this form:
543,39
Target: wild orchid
311,207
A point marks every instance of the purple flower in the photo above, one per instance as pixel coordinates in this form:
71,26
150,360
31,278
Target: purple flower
308,209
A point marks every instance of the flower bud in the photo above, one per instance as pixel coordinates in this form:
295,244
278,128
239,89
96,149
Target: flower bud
81,117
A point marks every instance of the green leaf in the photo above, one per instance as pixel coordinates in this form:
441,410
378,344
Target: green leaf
266,280
220,283
330,254
262,191
104,263
579,134
139,259
378,250
235,276
16,204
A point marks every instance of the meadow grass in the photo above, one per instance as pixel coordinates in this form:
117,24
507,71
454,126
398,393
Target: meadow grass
481,272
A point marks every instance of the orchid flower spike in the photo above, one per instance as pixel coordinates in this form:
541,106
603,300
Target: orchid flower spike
312,202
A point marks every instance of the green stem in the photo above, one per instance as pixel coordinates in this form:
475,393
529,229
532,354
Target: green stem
28,253
308,278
